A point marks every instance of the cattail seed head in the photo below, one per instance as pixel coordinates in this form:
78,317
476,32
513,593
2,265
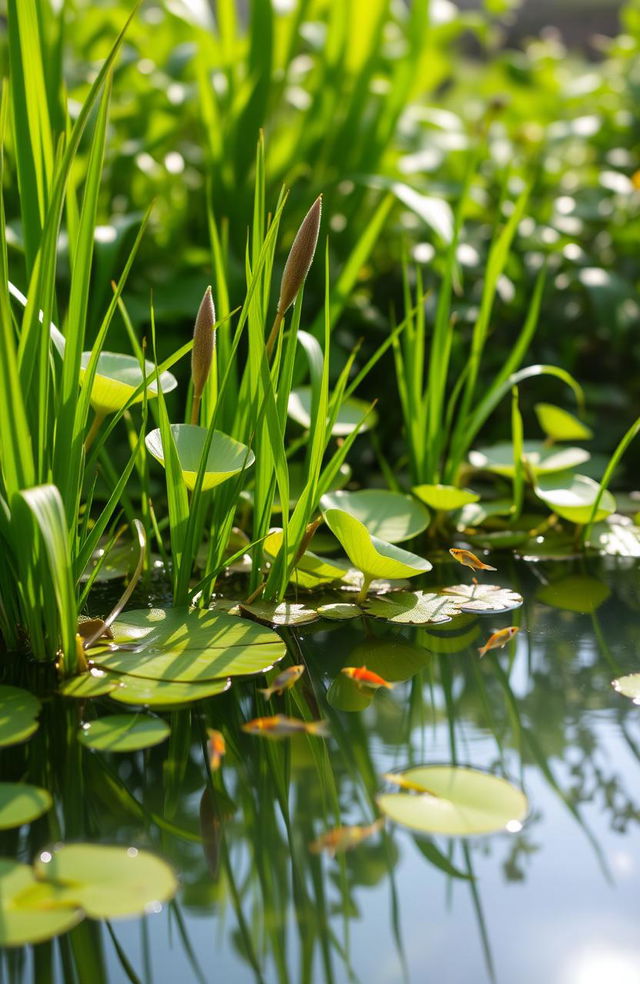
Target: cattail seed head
203,343
300,256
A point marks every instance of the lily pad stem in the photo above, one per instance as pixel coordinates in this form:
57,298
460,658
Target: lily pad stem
93,430
362,594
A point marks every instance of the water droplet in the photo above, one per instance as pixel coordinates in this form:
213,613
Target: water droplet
132,852
45,857
514,826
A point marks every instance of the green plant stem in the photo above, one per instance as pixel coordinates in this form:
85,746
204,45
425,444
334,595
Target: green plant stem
277,321
362,594
195,407
93,430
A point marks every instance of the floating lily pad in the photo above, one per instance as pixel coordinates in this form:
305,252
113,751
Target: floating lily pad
29,911
280,613
374,557
487,598
187,646
572,497
354,580
412,608
21,803
95,683
540,458
18,715
225,459
616,539
349,416
391,516
574,593
477,513
108,881
456,801
118,376
560,425
499,539
444,498
628,686
123,733
138,691
339,610
120,561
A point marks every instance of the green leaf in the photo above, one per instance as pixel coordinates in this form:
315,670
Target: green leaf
477,513
123,733
352,414
390,516
444,497
226,457
393,659
95,683
339,611
21,803
140,692
311,570
455,801
560,425
29,911
573,497
280,613
574,593
540,458
118,377
490,599
18,715
628,686
412,608
108,882
374,557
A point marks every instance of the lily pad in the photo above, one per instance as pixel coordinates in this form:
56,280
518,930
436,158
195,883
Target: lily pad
574,593
311,570
118,376
226,457
339,611
95,683
540,458
29,911
349,416
138,691
456,801
560,425
616,539
187,646
354,580
412,608
374,557
573,496
21,803
477,513
628,686
18,715
108,881
393,659
280,613
123,733
444,498
344,694
390,516
487,598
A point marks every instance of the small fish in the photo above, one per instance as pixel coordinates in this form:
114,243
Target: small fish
89,626
283,681
344,838
365,678
217,748
499,639
404,783
281,726
468,559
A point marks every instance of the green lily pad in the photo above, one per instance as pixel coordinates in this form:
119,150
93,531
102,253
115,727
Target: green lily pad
391,516
541,458
393,659
456,801
108,881
374,557
412,608
354,580
560,425
311,570
29,911
123,733
339,611
344,694
298,477
21,803
349,416
118,376
574,593
572,497
95,683
477,513
499,539
451,637
280,613
628,686
18,715
226,457
490,599
188,646
616,539
140,692
444,498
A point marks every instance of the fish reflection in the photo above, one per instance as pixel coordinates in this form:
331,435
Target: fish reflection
344,838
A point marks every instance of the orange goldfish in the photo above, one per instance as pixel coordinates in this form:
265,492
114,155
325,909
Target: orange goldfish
399,780
281,726
283,681
499,639
364,677
344,838
468,559
217,748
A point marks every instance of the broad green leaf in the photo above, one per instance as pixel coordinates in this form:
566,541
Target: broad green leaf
339,611
141,692
311,570
540,458
21,803
108,882
374,557
628,686
29,911
123,733
455,801
573,497
489,599
444,497
95,683
186,646
18,715
574,593
477,513
280,613
560,425
350,415
616,539
412,608
118,377
390,516
226,457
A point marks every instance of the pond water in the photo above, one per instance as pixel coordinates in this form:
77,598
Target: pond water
555,901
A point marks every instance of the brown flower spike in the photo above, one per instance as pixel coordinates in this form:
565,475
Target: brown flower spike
202,352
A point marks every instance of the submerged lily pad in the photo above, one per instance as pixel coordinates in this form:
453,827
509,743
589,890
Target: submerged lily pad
628,686
374,557
95,683
444,498
280,613
413,608
349,416
186,646
487,598
390,516
540,458
30,911
574,593
226,457
457,801
138,691
123,733
118,376
108,881
572,497
21,803
18,715
560,425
